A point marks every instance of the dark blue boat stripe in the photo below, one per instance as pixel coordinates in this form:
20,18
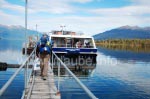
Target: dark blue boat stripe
74,50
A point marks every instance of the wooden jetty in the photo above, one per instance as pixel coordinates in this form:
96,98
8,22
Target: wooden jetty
37,88
42,89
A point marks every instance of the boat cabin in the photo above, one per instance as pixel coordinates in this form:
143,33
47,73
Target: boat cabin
69,39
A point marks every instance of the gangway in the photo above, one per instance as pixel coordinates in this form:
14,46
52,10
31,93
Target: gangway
42,89
36,88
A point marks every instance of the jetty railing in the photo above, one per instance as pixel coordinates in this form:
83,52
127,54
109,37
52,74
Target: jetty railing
26,75
60,63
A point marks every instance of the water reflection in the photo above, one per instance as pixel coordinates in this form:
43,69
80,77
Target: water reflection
125,55
15,90
10,51
10,44
129,73
11,56
77,70
118,75
137,48
82,68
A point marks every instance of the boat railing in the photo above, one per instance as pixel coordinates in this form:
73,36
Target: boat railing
27,75
60,63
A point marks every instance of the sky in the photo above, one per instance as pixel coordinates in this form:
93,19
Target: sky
87,16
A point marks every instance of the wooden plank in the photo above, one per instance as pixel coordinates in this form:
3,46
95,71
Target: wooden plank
44,89
40,97
43,92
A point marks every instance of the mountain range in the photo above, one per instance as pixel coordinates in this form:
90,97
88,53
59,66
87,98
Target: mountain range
125,32
13,37
14,32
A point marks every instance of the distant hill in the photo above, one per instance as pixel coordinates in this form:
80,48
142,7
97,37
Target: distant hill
125,32
14,32
13,37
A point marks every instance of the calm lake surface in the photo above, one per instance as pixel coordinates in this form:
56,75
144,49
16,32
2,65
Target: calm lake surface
117,75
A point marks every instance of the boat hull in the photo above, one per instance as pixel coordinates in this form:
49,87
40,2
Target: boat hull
75,53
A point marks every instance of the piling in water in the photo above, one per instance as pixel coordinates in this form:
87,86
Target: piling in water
3,66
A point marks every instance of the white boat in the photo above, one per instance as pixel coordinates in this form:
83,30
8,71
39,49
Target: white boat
70,44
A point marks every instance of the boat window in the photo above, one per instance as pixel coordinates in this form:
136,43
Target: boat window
59,41
83,43
88,43
73,42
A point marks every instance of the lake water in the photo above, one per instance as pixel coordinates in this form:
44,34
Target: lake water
118,75
16,88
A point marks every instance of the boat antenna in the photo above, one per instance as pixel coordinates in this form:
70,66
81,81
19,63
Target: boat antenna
62,26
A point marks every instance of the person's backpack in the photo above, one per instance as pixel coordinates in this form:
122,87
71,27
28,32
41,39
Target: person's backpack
44,45
43,41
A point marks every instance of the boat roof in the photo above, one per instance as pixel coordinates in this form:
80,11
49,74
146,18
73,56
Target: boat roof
71,36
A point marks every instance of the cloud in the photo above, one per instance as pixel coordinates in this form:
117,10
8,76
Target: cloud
124,11
64,12
8,19
141,2
51,6
13,7
55,6
89,25
81,1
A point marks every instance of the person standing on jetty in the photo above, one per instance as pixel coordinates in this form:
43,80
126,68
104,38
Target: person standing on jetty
43,52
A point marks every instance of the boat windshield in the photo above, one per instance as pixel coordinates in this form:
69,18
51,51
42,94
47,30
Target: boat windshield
73,42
